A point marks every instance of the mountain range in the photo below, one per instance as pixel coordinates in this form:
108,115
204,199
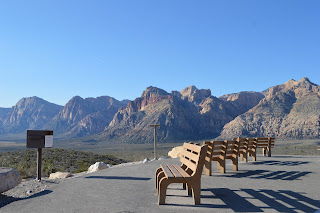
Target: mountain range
290,110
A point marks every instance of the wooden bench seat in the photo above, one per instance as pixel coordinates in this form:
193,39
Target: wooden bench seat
220,151
189,173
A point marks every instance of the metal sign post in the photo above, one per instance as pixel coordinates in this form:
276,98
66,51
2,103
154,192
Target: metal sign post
39,163
155,139
39,139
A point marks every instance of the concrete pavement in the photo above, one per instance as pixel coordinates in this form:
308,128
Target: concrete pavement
272,184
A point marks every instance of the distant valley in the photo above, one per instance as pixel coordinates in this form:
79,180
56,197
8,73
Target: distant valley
290,110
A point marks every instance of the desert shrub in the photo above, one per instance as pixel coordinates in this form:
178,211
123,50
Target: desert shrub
53,160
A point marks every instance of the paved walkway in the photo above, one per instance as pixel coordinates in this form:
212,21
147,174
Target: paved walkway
272,184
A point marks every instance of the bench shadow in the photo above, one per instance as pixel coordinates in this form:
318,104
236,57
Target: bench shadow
267,174
280,163
251,200
5,200
288,156
118,178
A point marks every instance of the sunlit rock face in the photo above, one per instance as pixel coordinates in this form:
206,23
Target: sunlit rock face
186,115
290,110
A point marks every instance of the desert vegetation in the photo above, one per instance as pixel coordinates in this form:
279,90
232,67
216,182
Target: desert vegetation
25,161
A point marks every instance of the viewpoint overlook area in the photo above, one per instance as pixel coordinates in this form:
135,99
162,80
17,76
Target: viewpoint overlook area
159,106
271,184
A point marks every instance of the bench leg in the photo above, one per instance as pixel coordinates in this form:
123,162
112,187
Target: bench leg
221,166
264,151
196,192
269,152
189,190
254,155
157,172
207,167
184,186
159,177
235,163
163,191
245,157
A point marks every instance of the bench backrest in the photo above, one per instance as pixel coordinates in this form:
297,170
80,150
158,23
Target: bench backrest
243,144
232,148
216,148
192,158
264,142
252,143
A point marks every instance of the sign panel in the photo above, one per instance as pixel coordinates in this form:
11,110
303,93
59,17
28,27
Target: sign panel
48,141
37,138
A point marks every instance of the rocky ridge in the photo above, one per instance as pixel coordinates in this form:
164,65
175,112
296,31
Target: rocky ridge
189,114
28,113
79,117
244,100
290,110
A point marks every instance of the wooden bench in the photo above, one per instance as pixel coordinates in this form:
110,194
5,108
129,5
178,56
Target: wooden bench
222,150
266,144
232,153
189,173
216,152
252,148
247,147
243,148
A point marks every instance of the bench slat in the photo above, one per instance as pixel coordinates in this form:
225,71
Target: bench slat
182,172
192,147
190,155
219,143
188,163
167,171
174,171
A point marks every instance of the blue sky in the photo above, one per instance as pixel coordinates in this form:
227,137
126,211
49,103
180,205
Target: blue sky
58,49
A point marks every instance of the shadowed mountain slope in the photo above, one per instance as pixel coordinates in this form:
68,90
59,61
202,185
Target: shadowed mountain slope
80,117
243,100
28,113
4,111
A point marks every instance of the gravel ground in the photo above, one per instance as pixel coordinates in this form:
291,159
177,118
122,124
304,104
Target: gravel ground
30,187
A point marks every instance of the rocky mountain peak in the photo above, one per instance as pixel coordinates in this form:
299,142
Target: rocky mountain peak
300,88
193,94
23,102
305,79
150,96
302,82
75,99
29,113
153,92
188,91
